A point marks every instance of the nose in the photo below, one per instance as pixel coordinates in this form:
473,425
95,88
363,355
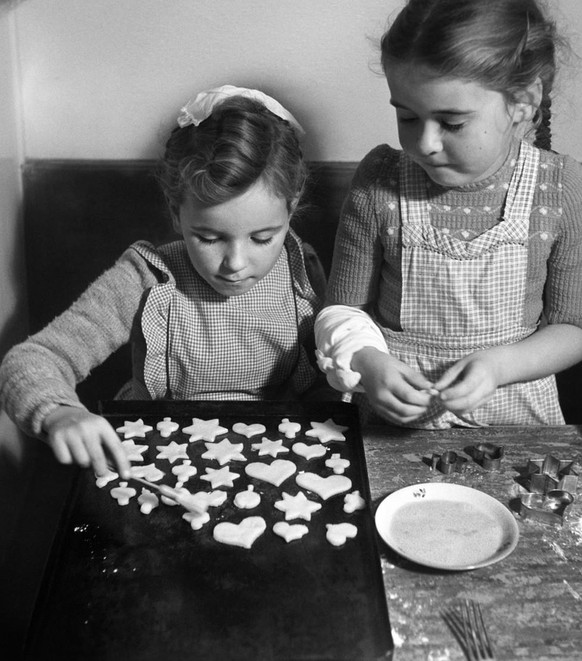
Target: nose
429,139
234,258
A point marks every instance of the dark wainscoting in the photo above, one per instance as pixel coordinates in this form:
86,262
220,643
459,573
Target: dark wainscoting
81,215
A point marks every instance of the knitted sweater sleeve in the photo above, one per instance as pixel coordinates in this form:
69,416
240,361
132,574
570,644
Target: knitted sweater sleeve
563,289
42,372
358,249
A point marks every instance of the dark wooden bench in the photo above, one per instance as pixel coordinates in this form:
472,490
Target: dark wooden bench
80,216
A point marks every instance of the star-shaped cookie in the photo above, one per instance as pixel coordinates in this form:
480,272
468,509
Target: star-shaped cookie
327,431
272,448
172,452
224,451
136,429
134,452
204,430
220,477
297,507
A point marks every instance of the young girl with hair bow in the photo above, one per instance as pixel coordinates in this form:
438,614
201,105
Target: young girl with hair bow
225,312
456,283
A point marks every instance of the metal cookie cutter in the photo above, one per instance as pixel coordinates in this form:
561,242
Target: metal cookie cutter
547,507
448,461
488,455
550,474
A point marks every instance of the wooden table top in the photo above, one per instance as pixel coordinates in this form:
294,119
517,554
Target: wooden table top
532,599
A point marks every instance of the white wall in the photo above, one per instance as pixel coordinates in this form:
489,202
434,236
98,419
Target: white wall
13,320
105,78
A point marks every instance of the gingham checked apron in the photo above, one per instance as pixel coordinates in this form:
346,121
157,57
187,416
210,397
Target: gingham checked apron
202,345
461,296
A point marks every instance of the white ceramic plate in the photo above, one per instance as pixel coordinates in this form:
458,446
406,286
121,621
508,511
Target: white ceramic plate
447,526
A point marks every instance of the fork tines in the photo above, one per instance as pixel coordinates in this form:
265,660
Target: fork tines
476,638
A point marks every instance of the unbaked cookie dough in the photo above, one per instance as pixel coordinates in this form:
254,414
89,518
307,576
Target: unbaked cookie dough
327,431
290,532
309,451
224,451
324,487
149,472
272,448
166,427
275,473
147,501
204,430
184,471
134,452
242,534
289,429
172,452
353,501
337,464
220,477
297,507
338,533
136,429
247,500
248,430
123,494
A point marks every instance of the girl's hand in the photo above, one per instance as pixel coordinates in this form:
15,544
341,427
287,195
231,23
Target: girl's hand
469,383
395,391
77,436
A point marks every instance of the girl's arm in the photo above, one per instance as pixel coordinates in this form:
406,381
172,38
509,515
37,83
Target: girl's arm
472,381
39,376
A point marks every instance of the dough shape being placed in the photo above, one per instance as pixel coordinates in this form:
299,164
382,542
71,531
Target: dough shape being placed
289,429
204,430
136,429
103,480
248,430
195,520
353,501
123,494
297,507
134,452
327,431
242,534
338,533
147,501
290,532
247,500
224,451
220,477
274,473
149,472
309,451
337,464
324,487
272,448
166,427
172,452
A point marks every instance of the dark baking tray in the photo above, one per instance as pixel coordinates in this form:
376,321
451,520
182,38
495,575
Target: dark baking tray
125,586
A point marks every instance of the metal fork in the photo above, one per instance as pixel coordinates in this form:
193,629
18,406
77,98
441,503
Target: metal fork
469,629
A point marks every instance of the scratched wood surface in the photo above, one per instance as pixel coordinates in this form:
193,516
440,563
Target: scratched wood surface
532,600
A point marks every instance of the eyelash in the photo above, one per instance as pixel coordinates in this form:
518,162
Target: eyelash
209,242
452,128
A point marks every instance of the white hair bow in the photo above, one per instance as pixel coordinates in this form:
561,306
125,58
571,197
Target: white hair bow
200,108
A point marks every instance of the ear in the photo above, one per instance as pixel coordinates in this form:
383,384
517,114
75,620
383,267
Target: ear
527,102
175,214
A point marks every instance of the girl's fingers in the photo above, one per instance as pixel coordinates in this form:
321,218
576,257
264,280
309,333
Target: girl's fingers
61,451
117,455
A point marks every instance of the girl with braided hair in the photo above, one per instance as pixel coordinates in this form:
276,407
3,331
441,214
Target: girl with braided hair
456,287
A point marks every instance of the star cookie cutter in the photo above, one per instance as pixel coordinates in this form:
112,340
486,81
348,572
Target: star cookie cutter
488,455
448,461
550,474
549,508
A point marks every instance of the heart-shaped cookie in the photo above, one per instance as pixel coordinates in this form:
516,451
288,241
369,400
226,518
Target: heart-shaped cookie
337,533
242,534
274,473
324,487
309,451
289,531
248,430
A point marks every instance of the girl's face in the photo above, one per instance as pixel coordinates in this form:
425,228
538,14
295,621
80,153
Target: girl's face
235,244
459,132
